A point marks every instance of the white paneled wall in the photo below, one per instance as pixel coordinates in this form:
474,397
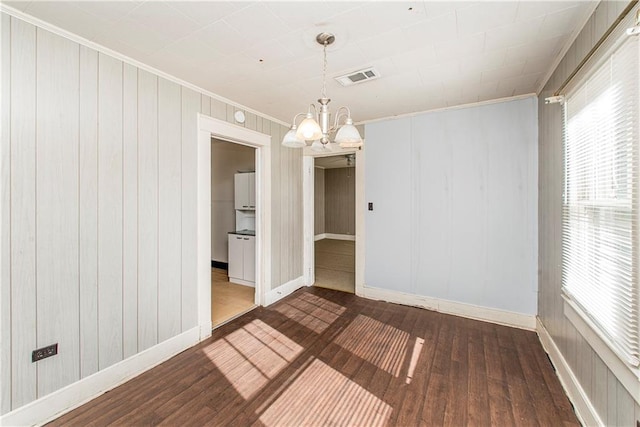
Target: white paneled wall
455,206
23,190
611,401
190,106
110,218
99,184
56,183
6,345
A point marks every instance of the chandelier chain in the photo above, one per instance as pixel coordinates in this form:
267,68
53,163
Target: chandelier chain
324,72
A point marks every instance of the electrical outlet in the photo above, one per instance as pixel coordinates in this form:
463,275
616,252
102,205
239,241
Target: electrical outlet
44,352
370,206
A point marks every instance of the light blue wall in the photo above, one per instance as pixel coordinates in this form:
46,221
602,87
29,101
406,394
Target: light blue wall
455,205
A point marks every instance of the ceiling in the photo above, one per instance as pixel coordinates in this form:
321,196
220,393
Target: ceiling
263,55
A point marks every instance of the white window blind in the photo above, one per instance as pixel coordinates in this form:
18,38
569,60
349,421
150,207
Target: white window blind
600,206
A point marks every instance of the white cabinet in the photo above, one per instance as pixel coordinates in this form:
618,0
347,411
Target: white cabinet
245,191
242,259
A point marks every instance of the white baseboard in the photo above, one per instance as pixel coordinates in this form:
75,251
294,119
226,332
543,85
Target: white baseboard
584,409
67,398
493,315
349,237
283,290
242,282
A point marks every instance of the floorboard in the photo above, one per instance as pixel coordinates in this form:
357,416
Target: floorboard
322,357
228,299
335,264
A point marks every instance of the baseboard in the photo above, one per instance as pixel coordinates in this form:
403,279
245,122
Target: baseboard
584,409
220,264
349,237
283,290
70,397
242,282
501,317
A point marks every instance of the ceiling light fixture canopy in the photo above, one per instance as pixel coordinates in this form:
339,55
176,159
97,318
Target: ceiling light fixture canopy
315,127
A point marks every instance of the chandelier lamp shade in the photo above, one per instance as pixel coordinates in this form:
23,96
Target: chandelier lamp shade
316,128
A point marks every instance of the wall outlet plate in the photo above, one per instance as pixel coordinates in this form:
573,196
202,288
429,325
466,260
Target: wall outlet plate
44,352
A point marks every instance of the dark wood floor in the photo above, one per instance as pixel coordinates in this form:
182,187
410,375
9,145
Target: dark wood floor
321,357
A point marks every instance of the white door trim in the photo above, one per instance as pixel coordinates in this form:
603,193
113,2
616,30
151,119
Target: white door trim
209,127
308,209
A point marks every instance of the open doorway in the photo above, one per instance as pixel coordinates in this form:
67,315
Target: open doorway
233,225
209,127
335,222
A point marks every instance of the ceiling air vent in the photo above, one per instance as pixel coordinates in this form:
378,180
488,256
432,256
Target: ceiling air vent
359,76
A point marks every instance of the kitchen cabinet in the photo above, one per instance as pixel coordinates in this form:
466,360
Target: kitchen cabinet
242,259
245,191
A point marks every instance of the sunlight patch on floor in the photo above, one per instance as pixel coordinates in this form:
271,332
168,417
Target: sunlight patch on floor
323,396
379,344
252,355
312,311
415,355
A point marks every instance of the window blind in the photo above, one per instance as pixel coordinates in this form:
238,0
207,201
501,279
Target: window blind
600,205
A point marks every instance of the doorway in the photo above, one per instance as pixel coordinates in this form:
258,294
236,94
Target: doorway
335,222
309,162
233,213
209,127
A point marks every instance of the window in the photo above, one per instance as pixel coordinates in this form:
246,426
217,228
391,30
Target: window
601,234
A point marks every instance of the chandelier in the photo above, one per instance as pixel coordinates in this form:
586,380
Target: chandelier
315,127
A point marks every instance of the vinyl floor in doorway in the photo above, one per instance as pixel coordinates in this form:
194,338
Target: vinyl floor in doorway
228,299
335,262
321,357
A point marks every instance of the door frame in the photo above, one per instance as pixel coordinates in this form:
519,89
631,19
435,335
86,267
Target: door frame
308,180
208,128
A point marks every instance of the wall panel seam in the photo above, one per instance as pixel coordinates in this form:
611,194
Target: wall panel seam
122,243
79,216
36,204
157,284
98,208
181,200
10,237
137,210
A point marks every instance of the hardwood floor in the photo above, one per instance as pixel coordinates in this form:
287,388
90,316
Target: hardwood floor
321,357
335,262
228,299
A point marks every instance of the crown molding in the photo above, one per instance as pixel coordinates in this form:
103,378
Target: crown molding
117,55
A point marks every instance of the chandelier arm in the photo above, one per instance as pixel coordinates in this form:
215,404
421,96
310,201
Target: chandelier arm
293,122
315,110
340,113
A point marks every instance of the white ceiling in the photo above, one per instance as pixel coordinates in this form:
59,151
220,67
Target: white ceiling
263,54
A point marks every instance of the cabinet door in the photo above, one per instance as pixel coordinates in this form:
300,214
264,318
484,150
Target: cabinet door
236,256
251,178
241,191
249,250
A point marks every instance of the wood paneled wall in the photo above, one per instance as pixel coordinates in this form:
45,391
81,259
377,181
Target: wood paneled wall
98,242
318,201
610,399
340,201
286,208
